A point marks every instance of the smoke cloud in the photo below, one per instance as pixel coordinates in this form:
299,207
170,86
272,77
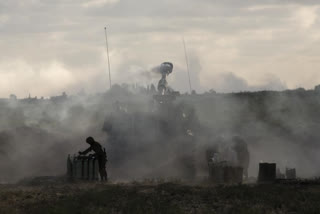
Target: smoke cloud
36,135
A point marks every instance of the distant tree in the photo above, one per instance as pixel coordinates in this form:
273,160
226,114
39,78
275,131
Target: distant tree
211,91
13,97
125,86
82,93
117,90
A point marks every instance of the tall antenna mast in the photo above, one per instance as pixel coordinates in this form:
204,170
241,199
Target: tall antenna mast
105,31
187,62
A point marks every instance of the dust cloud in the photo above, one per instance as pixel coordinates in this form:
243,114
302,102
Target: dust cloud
36,135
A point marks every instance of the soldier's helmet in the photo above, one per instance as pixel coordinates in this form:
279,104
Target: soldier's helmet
90,140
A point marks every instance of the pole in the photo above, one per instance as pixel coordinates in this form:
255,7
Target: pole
105,31
187,62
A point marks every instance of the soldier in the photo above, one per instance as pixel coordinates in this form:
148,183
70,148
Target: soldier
243,155
100,155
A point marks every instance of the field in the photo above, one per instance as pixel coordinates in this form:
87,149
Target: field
153,197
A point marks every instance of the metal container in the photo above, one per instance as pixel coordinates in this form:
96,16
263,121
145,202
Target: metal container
290,173
79,168
69,168
220,173
93,169
267,173
85,169
82,168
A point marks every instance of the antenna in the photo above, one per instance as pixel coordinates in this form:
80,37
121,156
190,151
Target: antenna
187,62
105,31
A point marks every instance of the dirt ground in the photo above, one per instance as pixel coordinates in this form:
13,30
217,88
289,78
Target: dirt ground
158,198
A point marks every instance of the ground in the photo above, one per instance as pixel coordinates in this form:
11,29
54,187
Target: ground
158,198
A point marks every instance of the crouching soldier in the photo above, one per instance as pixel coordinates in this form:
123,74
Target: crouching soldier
100,155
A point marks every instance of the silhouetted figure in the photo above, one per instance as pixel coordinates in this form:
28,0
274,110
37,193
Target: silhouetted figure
100,155
243,155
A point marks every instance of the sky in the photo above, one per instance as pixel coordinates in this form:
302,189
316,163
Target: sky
51,46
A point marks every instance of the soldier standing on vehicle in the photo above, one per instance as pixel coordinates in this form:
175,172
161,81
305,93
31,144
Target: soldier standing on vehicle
100,155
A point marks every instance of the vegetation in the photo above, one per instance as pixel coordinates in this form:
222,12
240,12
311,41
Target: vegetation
159,198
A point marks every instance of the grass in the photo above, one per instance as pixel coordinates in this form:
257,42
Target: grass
160,198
